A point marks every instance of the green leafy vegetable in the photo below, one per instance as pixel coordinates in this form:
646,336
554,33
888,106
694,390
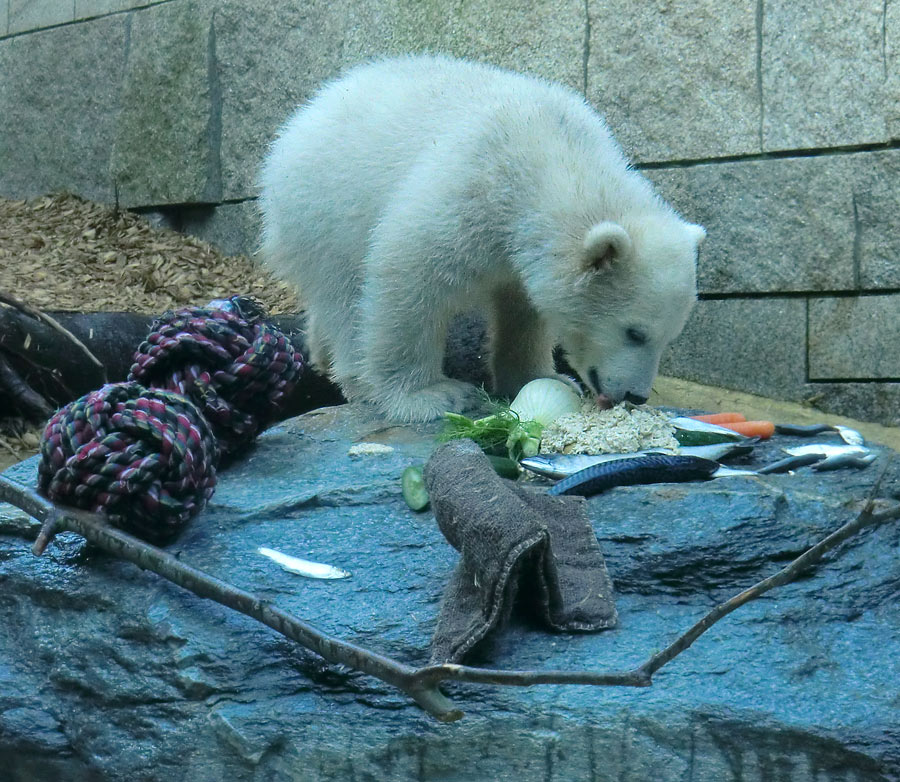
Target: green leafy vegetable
514,430
499,434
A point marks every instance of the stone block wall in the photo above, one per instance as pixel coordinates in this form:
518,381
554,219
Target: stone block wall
775,123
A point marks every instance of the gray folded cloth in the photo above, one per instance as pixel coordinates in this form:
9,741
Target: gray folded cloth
511,538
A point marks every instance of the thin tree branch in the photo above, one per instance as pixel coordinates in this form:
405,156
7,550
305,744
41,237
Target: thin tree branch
12,301
94,528
421,684
865,519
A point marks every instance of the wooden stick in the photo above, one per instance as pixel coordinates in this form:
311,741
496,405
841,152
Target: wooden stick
8,446
12,301
787,574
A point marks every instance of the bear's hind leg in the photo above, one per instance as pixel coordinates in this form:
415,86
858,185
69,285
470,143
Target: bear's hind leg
321,356
320,353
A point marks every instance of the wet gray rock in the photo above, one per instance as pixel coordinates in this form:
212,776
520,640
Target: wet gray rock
108,672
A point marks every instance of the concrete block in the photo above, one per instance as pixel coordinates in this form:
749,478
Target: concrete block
752,345
87,8
892,69
268,62
168,132
854,338
773,225
543,37
273,59
233,228
4,17
676,80
59,99
864,401
877,202
25,15
825,74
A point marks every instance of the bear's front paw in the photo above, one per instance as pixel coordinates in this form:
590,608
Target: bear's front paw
431,402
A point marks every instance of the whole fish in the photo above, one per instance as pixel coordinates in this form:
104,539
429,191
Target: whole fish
303,567
790,463
822,457
848,435
561,465
826,449
646,468
841,460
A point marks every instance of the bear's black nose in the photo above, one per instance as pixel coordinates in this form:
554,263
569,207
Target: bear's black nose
635,399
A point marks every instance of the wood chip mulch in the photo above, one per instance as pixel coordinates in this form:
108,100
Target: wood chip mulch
63,253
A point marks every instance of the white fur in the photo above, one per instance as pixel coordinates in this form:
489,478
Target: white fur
412,189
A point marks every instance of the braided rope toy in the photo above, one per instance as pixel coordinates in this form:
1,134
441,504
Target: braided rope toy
145,452
234,366
145,457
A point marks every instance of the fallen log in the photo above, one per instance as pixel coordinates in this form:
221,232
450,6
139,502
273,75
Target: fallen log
53,368
50,368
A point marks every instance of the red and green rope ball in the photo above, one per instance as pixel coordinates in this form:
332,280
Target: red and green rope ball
145,452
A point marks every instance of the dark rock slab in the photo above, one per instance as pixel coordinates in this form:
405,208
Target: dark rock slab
108,672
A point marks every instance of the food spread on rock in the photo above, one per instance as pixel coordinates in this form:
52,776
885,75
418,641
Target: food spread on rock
620,429
588,448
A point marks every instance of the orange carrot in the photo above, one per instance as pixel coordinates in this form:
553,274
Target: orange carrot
761,429
720,418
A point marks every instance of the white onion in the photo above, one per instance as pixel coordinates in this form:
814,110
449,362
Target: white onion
544,400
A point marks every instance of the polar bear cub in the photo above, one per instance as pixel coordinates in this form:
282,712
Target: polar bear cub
413,189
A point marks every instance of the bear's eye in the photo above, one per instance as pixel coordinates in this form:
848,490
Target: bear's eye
636,336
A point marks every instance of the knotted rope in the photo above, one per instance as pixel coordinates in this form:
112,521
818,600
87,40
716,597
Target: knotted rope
145,452
143,456
233,365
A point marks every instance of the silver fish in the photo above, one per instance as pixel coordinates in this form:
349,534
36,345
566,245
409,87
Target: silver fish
303,567
826,449
841,460
561,465
848,435
693,425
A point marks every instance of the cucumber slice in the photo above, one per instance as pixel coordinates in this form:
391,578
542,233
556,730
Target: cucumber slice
689,431
692,438
504,466
412,484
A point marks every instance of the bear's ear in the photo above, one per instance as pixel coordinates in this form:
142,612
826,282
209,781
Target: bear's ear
697,232
606,243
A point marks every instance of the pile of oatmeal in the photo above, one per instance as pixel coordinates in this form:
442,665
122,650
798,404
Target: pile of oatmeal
621,429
